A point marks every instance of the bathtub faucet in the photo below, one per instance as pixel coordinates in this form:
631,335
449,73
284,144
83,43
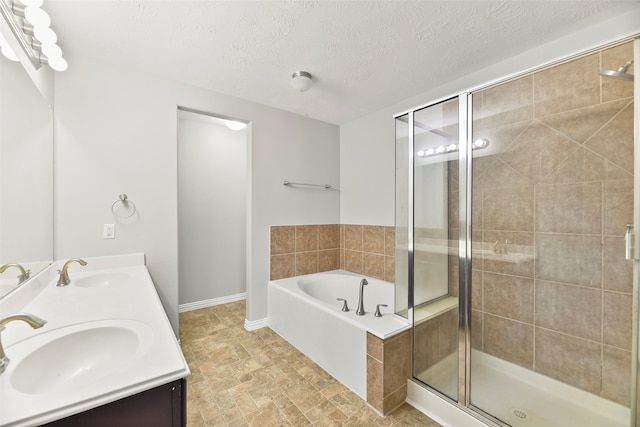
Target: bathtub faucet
360,310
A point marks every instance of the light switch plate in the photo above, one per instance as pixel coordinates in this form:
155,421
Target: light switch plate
109,231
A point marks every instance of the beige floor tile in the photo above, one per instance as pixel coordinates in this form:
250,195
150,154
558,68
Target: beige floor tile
242,378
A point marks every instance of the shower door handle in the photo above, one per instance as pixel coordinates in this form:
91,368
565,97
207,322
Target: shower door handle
630,243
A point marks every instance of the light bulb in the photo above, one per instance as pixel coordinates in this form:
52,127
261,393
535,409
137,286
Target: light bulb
45,35
57,64
421,153
8,53
37,17
233,125
440,149
452,147
52,50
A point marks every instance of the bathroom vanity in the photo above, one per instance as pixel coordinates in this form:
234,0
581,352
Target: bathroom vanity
106,356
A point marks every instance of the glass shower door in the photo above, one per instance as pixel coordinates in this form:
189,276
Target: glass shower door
434,263
552,294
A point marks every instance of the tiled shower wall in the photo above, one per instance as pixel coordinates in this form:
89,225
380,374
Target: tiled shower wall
557,180
305,249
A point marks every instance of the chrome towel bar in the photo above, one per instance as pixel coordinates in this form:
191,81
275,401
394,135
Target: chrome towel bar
308,185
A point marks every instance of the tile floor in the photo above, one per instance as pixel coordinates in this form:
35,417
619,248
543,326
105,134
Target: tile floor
242,378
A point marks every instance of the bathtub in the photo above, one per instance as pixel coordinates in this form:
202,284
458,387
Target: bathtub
304,311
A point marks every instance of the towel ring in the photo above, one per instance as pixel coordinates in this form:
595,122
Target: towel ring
123,204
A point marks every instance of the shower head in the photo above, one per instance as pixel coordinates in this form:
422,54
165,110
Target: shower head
620,73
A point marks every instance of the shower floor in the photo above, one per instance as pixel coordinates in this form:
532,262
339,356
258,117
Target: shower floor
523,398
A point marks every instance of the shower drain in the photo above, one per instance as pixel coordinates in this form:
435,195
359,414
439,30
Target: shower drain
519,413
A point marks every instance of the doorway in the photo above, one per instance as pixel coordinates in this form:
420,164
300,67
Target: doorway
212,206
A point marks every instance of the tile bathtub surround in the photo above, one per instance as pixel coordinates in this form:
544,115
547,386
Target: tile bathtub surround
305,249
242,378
388,368
557,179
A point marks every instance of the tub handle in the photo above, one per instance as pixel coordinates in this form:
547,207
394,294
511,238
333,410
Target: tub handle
377,313
345,307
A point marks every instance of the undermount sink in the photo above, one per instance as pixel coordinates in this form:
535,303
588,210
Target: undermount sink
78,355
101,279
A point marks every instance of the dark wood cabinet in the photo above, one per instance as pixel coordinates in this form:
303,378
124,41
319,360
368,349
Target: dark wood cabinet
163,406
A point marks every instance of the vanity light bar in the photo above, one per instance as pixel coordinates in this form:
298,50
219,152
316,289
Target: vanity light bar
31,26
444,149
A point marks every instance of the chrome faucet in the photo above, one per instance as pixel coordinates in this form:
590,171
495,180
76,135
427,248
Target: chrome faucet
24,274
33,321
64,280
360,310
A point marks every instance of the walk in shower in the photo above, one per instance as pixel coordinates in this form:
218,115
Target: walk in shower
512,206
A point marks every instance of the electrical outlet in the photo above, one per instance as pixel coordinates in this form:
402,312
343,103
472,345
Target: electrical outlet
109,231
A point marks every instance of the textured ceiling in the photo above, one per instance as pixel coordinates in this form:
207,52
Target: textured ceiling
364,55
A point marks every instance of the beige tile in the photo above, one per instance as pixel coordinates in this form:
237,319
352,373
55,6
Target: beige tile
389,241
569,208
615,140
581,124
394,399
616,375
375,376
328,260
373,265
571,360
353,237
389,269
306,263
353,261
507,103
508,340
537,152
574,84
477,329
499,174
329,236
617,270
397,363
509,296
618,206
283,239
574,310
584,165
612,59
426,341
515,242
618,320
477,289
282,266
508,209
306,238
373,239
570,259
375,347
448,333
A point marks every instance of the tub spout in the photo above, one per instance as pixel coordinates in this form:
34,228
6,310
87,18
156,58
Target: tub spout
360,310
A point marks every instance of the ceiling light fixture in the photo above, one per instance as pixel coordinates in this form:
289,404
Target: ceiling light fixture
31,27
233,125
449,148
301,81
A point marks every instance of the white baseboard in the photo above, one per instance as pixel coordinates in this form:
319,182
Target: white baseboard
252,325
211,302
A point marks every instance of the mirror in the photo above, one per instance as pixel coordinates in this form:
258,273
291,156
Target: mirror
26,176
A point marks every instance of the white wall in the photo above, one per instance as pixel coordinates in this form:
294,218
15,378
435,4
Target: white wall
212,195
116,133
367,144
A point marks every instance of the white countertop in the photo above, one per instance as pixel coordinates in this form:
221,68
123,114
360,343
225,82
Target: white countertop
128,298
